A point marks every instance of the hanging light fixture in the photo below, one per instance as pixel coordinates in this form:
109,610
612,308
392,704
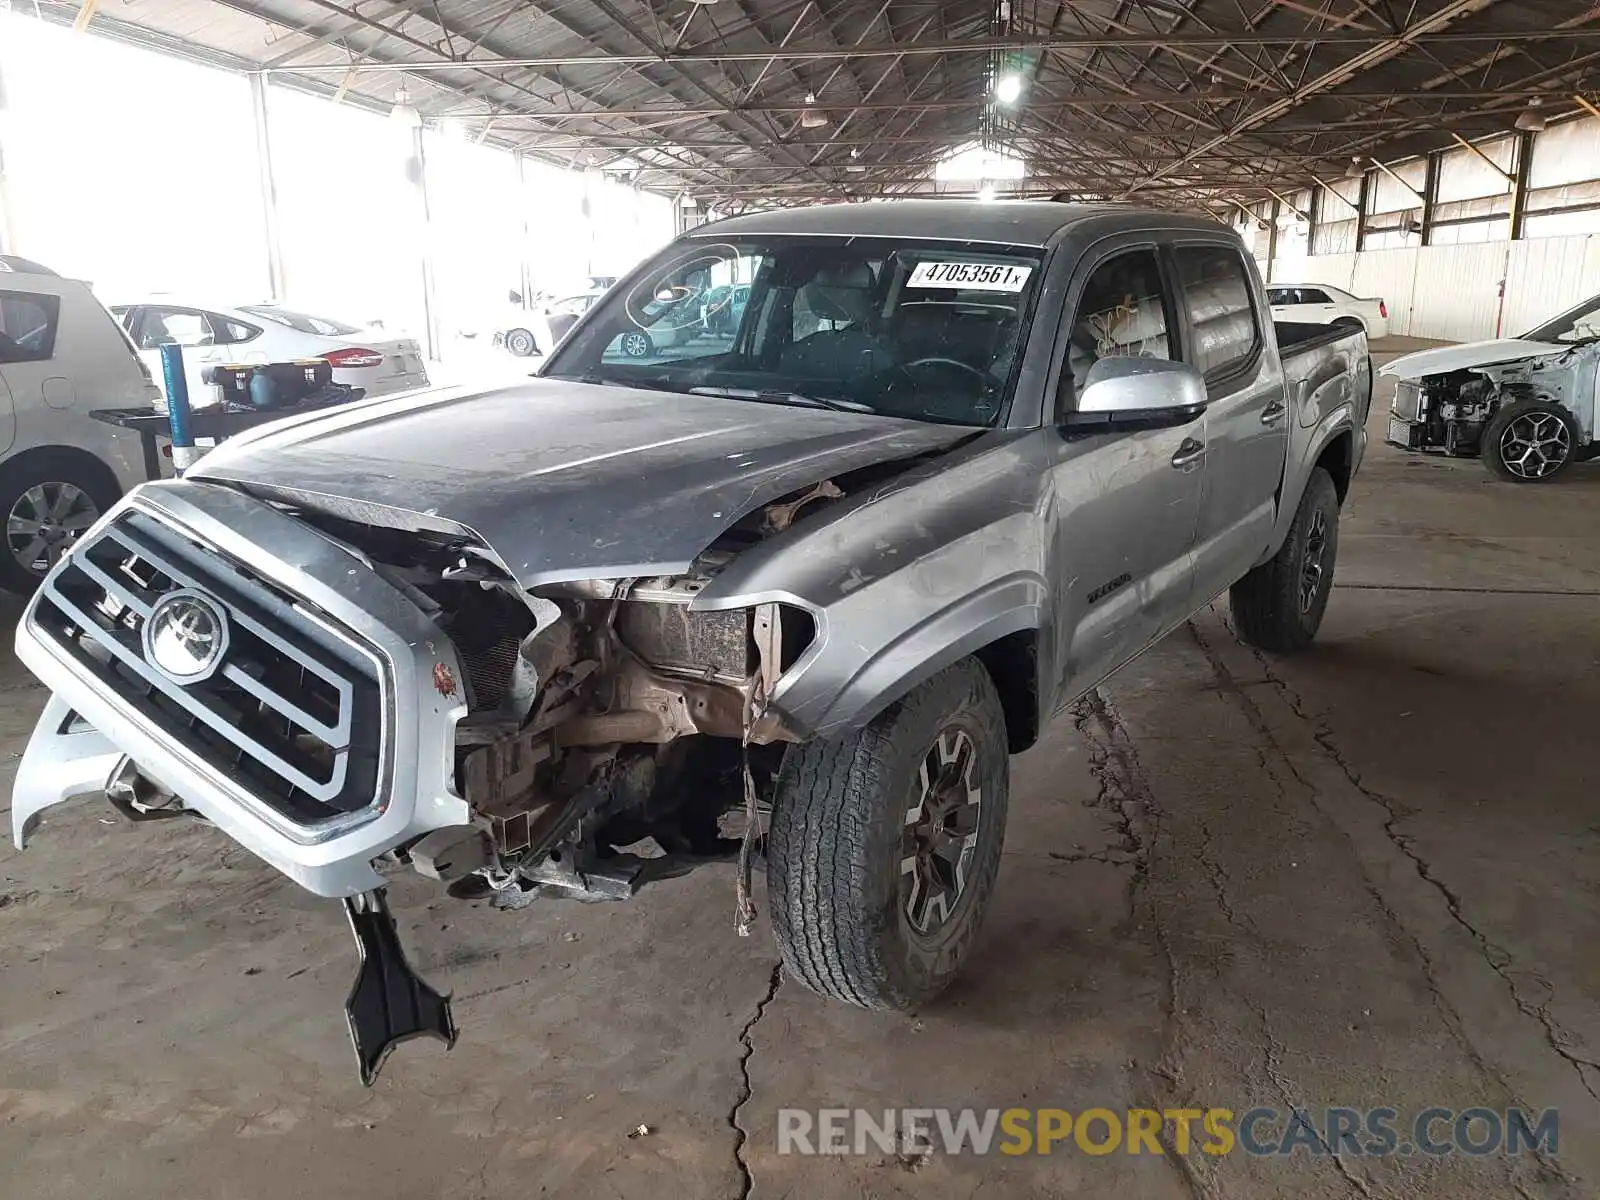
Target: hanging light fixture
1358,167
404,112
1008,88
812,118
1530,119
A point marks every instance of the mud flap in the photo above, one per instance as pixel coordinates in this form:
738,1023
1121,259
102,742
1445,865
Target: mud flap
389,1003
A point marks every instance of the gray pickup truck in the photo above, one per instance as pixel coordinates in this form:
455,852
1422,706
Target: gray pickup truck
793,584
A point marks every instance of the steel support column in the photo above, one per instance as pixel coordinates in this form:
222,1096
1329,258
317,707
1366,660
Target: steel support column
417,174
1430,196
1519,186
524,264
8,231
1272,237
267,180
1361,211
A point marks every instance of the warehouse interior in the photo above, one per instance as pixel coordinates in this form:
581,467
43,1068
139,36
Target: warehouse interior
1349,148
1361,878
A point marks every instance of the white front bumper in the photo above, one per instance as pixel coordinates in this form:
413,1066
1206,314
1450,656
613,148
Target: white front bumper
418,793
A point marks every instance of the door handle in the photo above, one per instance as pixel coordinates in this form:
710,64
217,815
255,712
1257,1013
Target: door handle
1189,454
1273,412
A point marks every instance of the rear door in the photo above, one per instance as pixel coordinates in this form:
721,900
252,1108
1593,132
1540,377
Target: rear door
203,345
1247,427
1124,504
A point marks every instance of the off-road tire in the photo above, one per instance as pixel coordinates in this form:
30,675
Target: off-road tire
1267,604
835,847
1491,450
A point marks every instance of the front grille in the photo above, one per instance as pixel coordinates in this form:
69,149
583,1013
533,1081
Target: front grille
294,711
1407,400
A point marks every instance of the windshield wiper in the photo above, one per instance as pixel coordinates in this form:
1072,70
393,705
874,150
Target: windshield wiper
781,396
654,385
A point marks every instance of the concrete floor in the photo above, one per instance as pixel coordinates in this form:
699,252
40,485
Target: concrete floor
1365,876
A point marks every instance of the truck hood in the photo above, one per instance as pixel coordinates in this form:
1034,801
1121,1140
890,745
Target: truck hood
1444,359
563,480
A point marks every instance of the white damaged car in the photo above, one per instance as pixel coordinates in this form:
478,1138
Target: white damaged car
1525,405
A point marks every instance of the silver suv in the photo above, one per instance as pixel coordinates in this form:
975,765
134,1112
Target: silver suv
61,357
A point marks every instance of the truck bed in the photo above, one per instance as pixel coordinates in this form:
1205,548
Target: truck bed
1324,368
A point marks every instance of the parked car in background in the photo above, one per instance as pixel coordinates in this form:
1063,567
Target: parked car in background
537,328
216,335
61,357
1525,405
724,308
1319,304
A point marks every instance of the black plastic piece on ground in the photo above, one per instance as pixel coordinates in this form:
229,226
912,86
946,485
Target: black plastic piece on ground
389,1003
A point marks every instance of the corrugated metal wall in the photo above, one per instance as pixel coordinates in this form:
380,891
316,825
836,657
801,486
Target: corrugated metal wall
1547,275
1453,292
1472,282
1457,292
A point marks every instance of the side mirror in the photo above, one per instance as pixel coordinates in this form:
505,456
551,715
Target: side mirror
1138,393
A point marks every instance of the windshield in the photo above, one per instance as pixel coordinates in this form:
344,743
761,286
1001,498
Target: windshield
300,322
907,328
1580,324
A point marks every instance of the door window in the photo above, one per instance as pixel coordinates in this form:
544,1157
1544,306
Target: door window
164,326
225,331
1313,296
1123,313
1216,294
28,322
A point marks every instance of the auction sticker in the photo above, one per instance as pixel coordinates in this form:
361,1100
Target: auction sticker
970,276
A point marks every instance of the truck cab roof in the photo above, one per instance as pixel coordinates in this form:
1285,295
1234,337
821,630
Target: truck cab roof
1002,222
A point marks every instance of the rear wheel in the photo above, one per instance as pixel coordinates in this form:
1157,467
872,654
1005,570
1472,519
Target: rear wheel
520,342
636,343
1529,442
49,500
1279,605
885,844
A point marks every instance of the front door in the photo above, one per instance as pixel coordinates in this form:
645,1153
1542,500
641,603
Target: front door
1247,423
1125,504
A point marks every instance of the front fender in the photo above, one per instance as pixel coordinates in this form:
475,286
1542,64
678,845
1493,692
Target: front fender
1013,605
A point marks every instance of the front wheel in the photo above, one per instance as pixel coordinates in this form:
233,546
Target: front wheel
521,343
885,844
1529,442
1279,605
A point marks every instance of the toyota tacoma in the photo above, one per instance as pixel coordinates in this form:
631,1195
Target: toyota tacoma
784,588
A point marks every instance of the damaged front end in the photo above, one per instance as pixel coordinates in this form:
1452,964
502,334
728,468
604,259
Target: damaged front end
393,700
1449,412
607,729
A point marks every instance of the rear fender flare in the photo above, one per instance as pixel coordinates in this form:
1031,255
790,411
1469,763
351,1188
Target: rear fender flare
1340,420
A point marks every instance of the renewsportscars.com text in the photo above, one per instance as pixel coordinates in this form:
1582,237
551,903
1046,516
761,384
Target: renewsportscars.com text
1259,1132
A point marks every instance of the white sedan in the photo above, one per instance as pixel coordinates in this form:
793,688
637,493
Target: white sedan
1319,304
269,333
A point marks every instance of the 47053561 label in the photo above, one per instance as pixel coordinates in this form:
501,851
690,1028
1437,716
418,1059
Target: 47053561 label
970,276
